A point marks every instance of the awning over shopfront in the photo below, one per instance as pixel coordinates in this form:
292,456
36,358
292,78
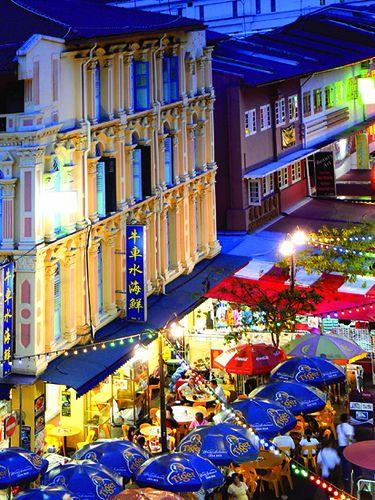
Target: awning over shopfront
6,384
359,306
85,370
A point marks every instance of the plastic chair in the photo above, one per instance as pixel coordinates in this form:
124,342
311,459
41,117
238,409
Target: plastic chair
199,403
152,388
285,471
89,439
309,457
272,478
125,429
154,418
172,443
285,451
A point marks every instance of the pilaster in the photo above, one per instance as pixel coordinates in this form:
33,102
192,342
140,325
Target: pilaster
207,52
107,86
129,174
201,71
92,189
128,82
70,291
191,138
109,275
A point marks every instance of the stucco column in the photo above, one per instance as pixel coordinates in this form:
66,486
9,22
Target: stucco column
118,84
194,237
190,66
164,242
207,51
120,262
80,277
128,82
49,218
93,270
152,251
204,221
8,187
176,156
159,75
183,146
69,293
182,69
201,68
179,223
107,87
201,146
129,174
91,91
213,243
186,230
69,217
121,179
49,281
92,188
190,150
161,138
210,136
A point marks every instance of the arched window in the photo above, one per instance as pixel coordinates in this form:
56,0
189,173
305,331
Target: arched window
168,157
100,279
97,92
57,304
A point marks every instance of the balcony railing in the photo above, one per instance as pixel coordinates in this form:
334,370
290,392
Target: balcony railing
27,122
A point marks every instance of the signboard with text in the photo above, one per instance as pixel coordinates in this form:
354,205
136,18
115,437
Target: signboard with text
6,313
361,407
136,296
325,179
361,146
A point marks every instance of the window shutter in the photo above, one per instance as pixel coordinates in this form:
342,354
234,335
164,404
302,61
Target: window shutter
166,80
168,160
100,188
141,85
174,75
55,79
36,82
137,174
146,170
57,305
97,92
110,185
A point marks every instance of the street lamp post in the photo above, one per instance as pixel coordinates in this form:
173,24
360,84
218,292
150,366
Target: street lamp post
287,248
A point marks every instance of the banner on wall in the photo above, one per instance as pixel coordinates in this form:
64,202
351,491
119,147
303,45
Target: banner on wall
136,296
325,179
361,146
288,136
6,313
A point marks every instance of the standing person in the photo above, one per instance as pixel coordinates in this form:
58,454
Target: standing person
238,489
328,459
345,436
218,390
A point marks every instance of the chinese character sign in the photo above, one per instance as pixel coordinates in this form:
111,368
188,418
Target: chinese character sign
6,312
136,299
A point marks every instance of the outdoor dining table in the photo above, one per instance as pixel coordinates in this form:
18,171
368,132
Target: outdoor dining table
151,431
184,414
64,431
200,398
265,460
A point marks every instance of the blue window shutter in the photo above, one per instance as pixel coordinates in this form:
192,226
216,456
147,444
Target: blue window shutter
166,80
141,79
100,188
97,92
100,280
168,160
174,76
57,305
137,174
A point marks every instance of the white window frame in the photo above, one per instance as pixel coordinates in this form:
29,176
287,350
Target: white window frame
307,112
250,122
293,108
268,186
254,183
296,172
280,112
265,117
283,178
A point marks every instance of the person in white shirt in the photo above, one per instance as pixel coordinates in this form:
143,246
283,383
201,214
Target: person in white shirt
284,441
345,436
308,440
218,390
328,458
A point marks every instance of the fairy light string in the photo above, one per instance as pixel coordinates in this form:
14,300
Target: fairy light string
296,467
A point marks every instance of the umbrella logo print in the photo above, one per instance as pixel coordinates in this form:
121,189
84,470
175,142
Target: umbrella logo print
286,400
179,473
193,445
104,487
306,373
4,472
133,461
237,445
91,455
278,417
305,349
59,481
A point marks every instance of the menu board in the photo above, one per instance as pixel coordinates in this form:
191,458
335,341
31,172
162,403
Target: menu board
361,406
325,179
39,422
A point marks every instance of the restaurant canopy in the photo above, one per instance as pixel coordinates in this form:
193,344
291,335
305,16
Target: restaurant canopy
342,299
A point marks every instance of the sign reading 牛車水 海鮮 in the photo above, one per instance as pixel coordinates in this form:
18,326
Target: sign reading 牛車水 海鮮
6,312
136,297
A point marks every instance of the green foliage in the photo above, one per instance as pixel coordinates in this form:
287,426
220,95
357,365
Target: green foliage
278,309
348,250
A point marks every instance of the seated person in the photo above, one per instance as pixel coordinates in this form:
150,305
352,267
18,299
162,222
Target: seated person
308,440
171,422
187,389
284,440
199,420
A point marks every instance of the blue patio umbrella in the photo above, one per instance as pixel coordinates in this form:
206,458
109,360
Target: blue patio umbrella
18,465
297,398
221,443
47,493
267,418
312,370
119,455
179,472
85,479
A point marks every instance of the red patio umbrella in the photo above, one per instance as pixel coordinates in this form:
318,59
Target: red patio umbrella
250,359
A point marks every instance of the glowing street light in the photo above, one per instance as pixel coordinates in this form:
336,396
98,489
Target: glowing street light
287,249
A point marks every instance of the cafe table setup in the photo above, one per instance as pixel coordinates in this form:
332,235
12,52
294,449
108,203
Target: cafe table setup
184,414
62,432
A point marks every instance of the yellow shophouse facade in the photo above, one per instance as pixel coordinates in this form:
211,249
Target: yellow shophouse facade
116,131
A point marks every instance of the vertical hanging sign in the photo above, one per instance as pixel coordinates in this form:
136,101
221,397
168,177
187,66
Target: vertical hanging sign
6,312
136,297
361,144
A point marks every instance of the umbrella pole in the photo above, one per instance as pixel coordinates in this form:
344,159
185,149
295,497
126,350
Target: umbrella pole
163,417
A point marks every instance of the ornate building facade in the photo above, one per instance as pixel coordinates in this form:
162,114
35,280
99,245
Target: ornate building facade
112,132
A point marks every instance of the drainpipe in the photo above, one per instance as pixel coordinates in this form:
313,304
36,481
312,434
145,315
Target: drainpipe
85,180
158,186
